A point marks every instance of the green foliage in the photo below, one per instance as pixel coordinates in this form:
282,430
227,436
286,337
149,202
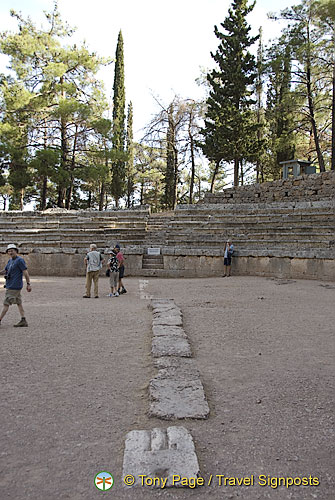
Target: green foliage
230,132
118,166
280,109
130,167
50,104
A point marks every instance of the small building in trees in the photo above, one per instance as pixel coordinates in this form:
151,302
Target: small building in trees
294,168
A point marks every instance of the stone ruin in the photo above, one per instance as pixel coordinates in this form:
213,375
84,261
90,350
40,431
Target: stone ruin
283,229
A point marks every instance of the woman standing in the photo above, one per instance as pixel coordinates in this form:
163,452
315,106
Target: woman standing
113,266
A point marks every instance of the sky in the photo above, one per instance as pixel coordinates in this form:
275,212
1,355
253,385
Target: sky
166,42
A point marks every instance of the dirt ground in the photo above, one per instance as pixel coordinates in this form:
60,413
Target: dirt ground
75,382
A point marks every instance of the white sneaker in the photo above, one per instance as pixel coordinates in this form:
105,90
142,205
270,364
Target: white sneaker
116,294
109,295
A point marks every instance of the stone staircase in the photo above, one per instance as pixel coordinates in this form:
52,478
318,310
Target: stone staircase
73,230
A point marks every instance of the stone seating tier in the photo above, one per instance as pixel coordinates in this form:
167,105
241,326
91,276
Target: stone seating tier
289,230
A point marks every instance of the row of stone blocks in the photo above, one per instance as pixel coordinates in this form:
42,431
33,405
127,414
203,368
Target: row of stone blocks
166,455
314,187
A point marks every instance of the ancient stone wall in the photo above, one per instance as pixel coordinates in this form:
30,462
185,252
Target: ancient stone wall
304,188
284,229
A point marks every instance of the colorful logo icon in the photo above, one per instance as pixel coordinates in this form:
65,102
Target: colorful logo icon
104,481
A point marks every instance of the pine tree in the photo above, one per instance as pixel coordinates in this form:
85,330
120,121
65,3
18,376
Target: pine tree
53,95
119,102
230,130
310,77
326,13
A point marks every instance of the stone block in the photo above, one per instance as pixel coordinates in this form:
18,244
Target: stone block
171,345
165,319
166,330
175,367
176,398
160,454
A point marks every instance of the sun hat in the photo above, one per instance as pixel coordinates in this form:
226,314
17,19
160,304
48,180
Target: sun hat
11,246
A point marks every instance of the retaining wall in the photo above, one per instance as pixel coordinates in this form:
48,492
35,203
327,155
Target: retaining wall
303,188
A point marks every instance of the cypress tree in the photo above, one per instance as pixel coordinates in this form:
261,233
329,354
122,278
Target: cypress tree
230,130
279,112
118,165
130,156
170,196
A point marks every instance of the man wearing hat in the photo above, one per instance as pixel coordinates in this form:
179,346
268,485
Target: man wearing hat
14,270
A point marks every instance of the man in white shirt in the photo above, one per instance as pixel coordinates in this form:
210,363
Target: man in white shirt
93,261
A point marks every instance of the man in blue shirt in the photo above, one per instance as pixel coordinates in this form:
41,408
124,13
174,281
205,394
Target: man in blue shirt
14,270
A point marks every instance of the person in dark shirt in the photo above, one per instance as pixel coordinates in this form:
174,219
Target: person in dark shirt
120,258
14,271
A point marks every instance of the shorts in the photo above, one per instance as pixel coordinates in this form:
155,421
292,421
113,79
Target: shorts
113,279
121,272
227,261
12,297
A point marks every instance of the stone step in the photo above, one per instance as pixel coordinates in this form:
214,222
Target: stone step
152,265
251,244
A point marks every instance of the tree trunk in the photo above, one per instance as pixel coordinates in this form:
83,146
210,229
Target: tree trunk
242,175
215,173
313,123
43,203
141,193
333,112
73,164
69,195
311,109
175,178
236,171
21,198
192,167
61,189
89,201
101,197
61,197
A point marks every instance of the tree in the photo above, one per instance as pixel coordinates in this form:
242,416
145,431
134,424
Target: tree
130,169
310,75
60,97
165,133
118,166
325,11
149,175
230,131
280,109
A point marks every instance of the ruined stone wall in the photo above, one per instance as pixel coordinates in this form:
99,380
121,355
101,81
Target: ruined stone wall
304,188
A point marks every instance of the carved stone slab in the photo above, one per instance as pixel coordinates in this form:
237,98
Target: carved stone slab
161,454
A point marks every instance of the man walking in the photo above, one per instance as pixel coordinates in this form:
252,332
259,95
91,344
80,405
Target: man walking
14,270
93,261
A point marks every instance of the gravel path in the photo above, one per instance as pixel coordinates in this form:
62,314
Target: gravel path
75,382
